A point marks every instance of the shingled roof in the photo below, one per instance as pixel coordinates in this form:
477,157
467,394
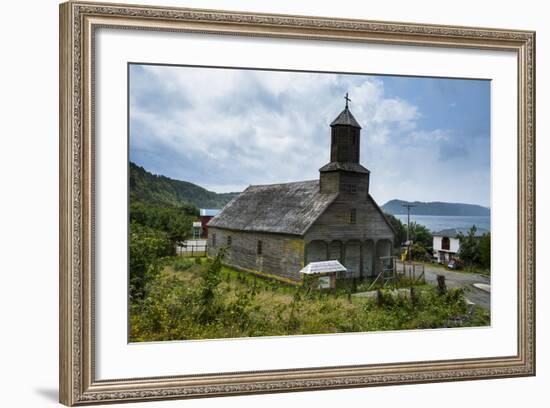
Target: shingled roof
345,118
288,208
454,232
345,166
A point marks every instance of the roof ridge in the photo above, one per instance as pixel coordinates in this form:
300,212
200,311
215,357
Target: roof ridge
282,184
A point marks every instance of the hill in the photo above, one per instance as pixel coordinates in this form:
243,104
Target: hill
435,208
163,191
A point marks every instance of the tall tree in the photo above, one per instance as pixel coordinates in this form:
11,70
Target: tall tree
485,251
469,247
421,235
400,229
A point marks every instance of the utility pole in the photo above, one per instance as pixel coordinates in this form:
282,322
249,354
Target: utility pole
408,207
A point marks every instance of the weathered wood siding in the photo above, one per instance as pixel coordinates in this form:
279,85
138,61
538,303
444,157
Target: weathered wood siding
361,183
329,182
345,144
357,245
336,181
334,223
282,255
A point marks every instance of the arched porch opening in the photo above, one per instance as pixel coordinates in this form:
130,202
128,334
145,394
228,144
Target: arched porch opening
316,251
367,249
383,248
352,259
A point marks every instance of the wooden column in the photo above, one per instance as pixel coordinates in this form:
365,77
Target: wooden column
374,256
361,257
343,254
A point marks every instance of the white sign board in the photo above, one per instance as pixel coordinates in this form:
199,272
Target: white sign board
324,282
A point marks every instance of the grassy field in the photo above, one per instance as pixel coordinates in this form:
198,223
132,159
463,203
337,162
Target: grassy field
202,299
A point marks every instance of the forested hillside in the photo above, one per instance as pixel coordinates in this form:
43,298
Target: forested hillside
163,191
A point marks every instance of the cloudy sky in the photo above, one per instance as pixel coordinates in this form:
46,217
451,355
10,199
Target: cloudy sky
425,139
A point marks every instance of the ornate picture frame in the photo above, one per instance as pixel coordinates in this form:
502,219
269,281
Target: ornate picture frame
78,24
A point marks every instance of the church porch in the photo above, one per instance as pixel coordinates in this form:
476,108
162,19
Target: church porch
360,257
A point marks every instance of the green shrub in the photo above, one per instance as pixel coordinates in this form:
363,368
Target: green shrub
182,264
419,253
147,248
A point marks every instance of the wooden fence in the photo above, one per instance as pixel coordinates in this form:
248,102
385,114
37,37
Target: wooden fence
392,270
192,250
412,270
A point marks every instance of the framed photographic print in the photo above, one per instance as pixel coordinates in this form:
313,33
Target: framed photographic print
256,203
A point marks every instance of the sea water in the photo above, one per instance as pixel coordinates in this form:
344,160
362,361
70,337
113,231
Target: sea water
437,223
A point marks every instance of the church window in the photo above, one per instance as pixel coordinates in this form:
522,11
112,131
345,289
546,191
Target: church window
353,216
229,240
349,188
259,248
445,243
214,240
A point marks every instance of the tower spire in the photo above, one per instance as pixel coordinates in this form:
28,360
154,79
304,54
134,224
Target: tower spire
344,174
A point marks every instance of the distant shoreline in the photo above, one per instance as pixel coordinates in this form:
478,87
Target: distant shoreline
436,223
435,208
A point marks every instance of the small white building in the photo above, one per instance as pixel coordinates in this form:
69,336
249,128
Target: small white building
325,271
446,243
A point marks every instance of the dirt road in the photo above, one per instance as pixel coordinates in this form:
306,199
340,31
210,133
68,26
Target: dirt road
462,280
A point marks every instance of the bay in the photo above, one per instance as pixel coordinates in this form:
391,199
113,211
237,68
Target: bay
437,223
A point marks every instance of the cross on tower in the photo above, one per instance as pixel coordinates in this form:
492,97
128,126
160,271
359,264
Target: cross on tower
347,99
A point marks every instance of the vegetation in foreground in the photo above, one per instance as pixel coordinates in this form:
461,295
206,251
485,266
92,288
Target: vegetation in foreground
202,299
174,298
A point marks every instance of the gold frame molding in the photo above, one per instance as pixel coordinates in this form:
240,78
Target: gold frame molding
78,22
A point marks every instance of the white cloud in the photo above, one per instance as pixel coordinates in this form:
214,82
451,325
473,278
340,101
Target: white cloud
233,128
432,136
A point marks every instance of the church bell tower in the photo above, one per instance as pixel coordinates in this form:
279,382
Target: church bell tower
344,173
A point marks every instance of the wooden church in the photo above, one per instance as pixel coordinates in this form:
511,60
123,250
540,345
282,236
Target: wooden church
280,228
